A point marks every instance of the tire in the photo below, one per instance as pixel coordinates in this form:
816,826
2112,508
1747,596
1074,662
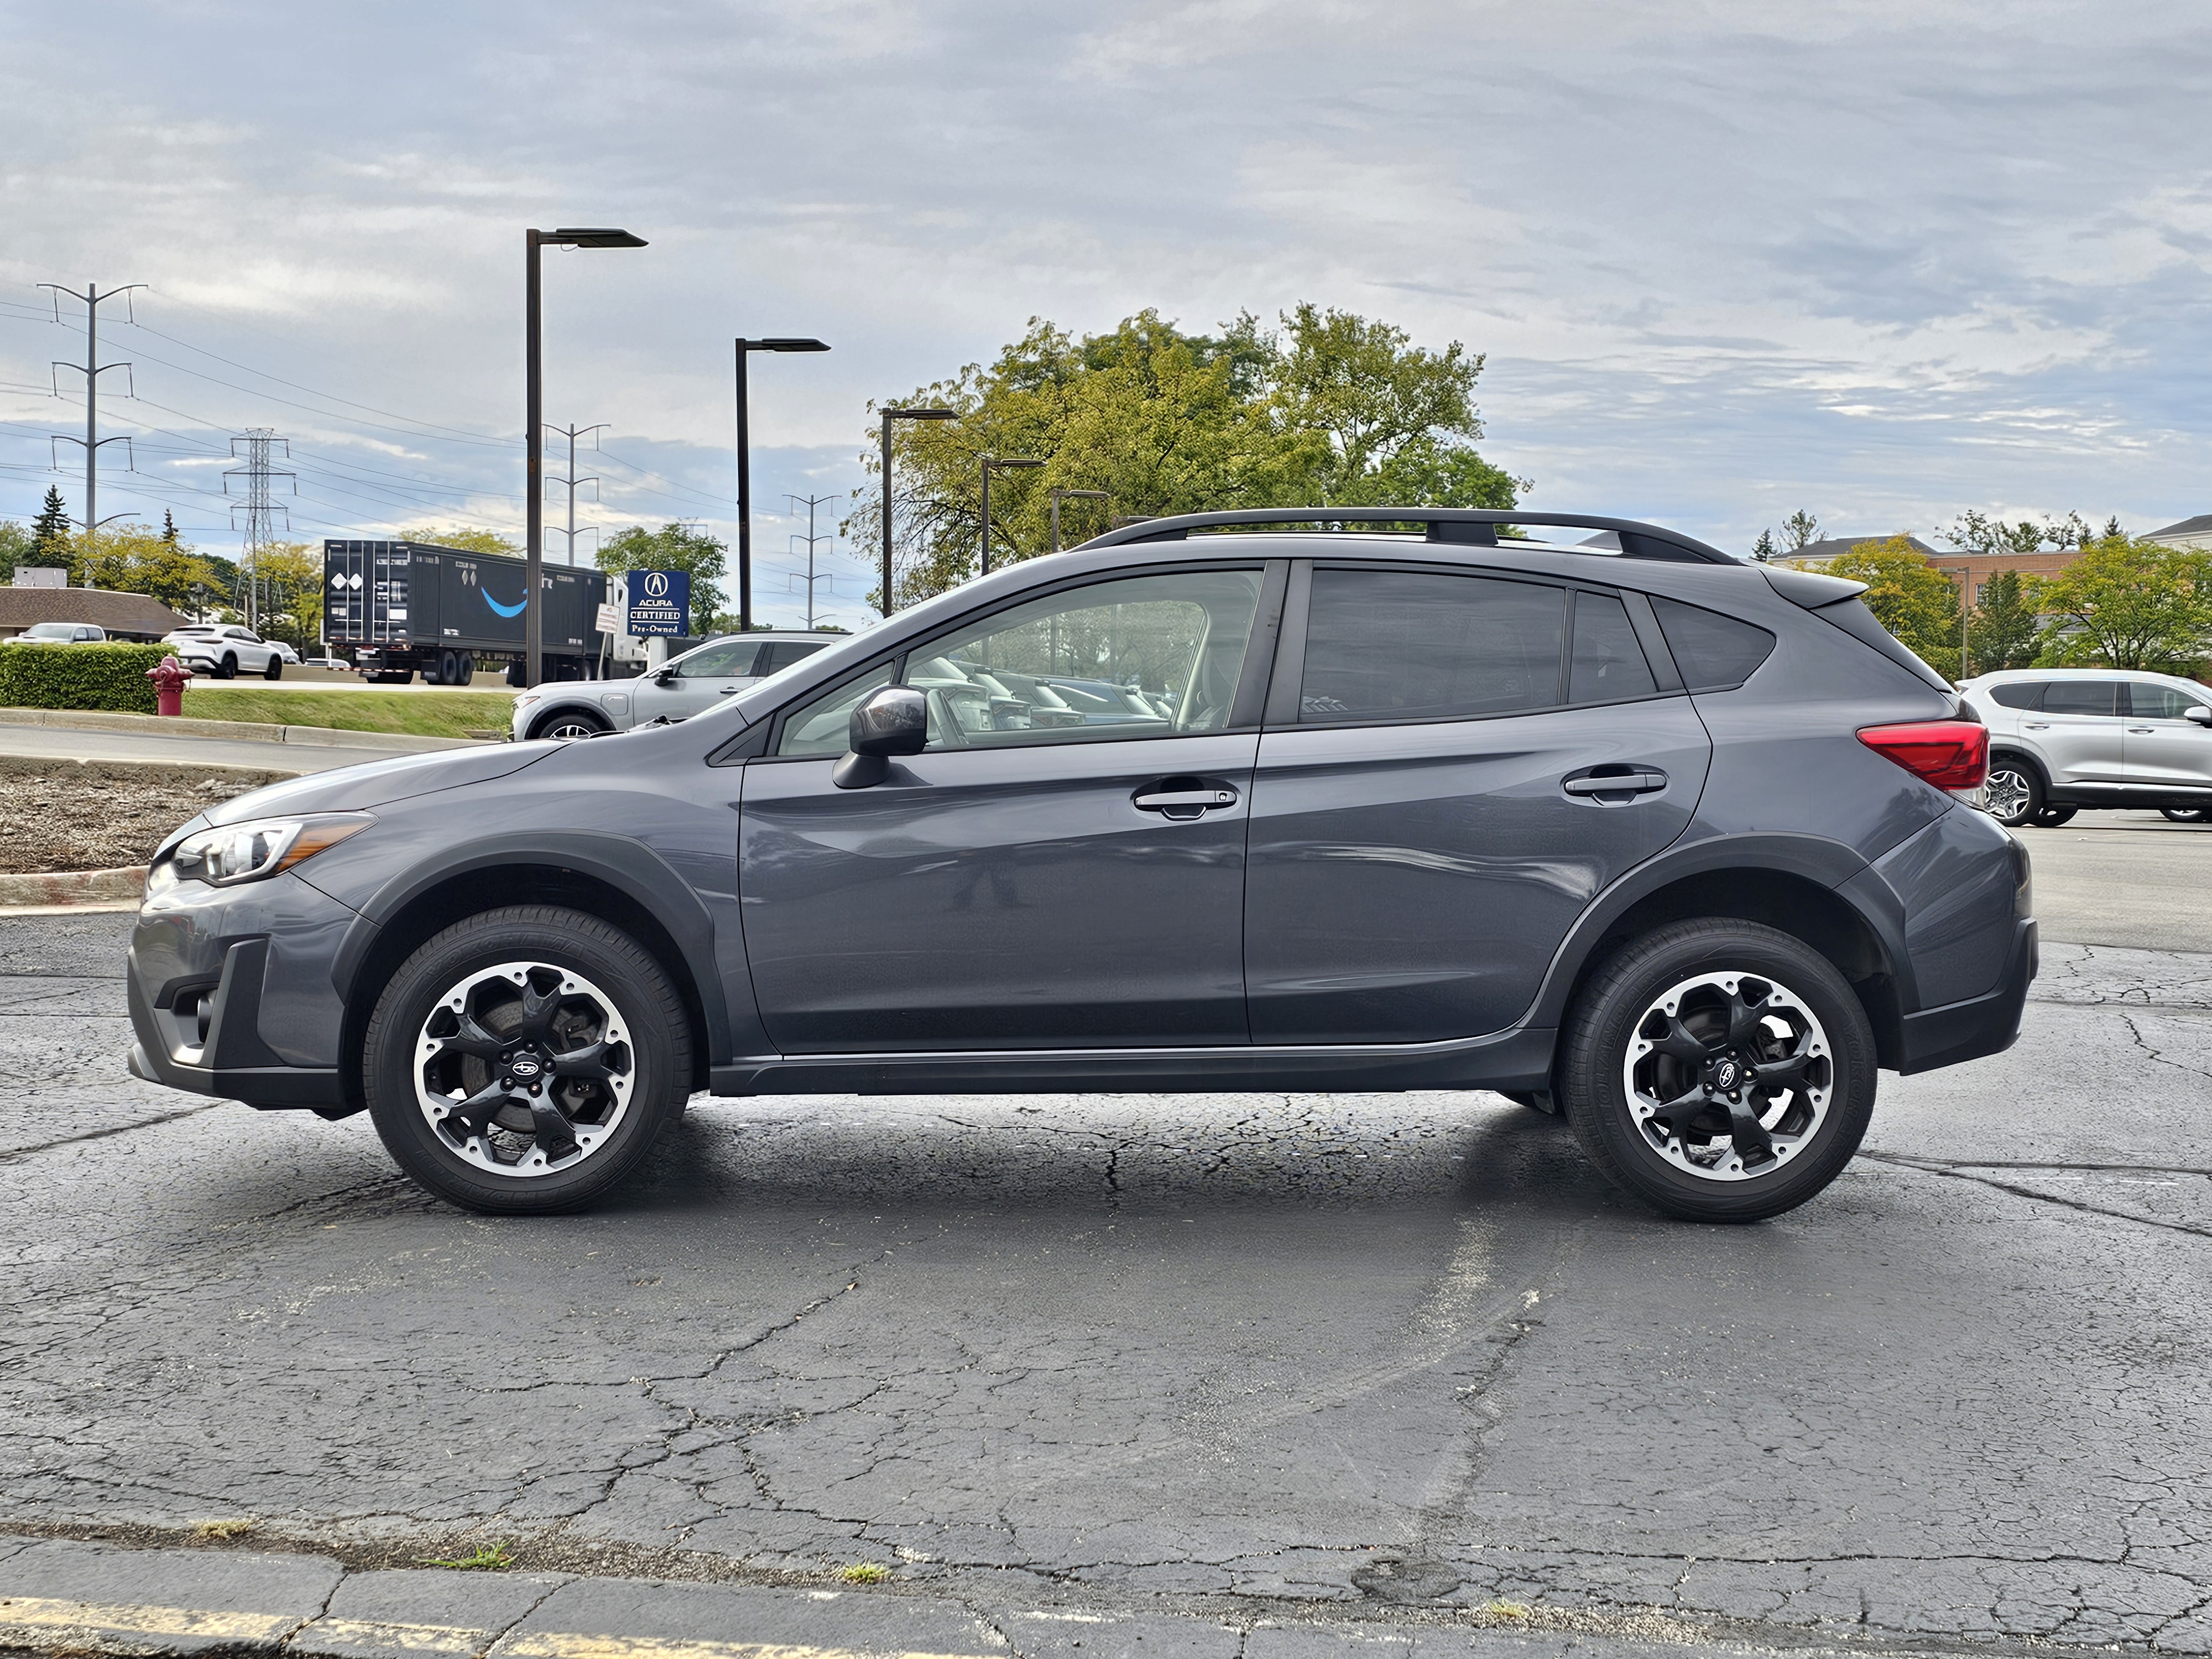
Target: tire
515,677
2015,792
1623,1022
611,1107
2187,814
2048,816
227,668
274,671
569,725
465,670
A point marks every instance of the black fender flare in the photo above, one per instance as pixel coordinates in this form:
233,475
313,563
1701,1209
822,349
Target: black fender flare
1831,864
628,866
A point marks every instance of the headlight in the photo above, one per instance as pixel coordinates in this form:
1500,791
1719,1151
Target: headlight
251,850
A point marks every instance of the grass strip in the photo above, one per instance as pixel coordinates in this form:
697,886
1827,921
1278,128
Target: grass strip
423,713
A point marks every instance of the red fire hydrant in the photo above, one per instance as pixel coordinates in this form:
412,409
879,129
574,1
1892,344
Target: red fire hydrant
170,677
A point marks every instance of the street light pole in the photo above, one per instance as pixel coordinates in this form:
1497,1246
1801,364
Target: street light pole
1060,495
888,415
745,468
989,462
533,409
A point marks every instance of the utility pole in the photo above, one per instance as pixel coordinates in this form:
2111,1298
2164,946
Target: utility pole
259,509
573,432
92,369
811,502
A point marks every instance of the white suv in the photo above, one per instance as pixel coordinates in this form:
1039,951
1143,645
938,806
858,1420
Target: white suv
221,650
2064,739
684,686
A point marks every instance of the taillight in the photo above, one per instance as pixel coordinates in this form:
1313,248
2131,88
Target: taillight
1949,754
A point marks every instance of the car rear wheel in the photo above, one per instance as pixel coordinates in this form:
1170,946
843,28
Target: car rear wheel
523,1061
2048,816
2014,791
569,725
1719,1070
2187,814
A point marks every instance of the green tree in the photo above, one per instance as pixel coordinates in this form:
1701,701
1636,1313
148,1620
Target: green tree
675,547
49,533
1908,596
1802,529
15,545
2006,627
466,539
1764,549
2130,604
168,526
1976,532
291,577
1331,410
130,559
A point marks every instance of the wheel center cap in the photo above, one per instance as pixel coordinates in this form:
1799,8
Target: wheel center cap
1727,1074
525,1068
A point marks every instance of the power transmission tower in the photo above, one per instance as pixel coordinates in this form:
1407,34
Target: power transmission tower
573,432
811,502
259,508
92,368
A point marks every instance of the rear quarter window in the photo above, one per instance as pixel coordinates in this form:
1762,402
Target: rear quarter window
2025,693
1714,653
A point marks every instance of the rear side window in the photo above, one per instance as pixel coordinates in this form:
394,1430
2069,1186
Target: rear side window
2081,698
1714,652
1388,645
2159,703
2022,694
1608,664
781,653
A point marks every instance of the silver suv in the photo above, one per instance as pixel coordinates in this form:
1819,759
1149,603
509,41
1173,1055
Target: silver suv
2064,739
686,685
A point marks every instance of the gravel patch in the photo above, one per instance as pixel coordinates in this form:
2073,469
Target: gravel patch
102,815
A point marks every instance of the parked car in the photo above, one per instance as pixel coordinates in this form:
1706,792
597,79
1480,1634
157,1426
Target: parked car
290,655
684,686
222,649
335,664
2064,739
62,633
1675,846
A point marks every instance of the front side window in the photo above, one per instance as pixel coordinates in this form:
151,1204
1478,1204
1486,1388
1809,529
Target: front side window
2080,697
720,662
2159,703
1388,645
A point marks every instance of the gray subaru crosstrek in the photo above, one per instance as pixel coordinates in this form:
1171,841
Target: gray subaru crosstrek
1618,826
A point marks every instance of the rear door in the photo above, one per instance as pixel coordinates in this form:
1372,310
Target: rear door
1454,765
2080,731
2164,747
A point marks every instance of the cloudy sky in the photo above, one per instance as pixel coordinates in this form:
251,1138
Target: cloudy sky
1883,261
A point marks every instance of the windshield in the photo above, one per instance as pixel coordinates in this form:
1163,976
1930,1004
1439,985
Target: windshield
50,631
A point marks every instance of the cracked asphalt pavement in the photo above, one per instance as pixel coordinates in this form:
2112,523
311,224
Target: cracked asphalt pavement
1326,1356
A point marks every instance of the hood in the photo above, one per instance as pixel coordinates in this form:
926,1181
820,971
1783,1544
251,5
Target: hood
360,788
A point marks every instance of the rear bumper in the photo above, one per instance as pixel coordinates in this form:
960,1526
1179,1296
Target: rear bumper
1982,1025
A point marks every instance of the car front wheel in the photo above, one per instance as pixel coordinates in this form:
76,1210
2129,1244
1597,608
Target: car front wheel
227,669
2014,793
569,725
274,671
523,1061
2187,814
1719,1070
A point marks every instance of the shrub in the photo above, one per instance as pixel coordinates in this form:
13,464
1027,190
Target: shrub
79,677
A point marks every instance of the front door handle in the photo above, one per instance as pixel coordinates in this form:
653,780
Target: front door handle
2142,730
1183,798
1623,783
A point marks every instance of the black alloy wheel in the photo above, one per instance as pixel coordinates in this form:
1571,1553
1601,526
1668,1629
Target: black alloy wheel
1719,1070
523,1061
2013,794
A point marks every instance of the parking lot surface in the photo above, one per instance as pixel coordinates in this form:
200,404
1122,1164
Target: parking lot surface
1220,1360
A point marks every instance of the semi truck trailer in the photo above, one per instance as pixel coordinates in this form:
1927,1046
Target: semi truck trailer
409,608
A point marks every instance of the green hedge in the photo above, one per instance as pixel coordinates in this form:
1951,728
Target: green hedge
79,677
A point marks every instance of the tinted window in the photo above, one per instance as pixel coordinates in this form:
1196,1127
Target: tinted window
2022,694
1713,651
782,653
1398,646
2159,703
2080,696
720,662
1608,663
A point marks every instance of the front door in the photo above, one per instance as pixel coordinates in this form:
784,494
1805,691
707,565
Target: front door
1440,801
2080,730
2164,749
1049,872
696,680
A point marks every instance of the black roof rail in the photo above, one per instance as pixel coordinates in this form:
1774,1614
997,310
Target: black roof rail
1475,527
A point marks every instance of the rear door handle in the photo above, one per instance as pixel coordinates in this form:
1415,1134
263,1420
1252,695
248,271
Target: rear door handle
2035,725
1616,783
1183,798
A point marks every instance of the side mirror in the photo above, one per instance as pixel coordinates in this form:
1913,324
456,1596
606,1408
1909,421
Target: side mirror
893,720
2199,712
664,676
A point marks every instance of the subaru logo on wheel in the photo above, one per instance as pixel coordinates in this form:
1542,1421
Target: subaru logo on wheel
524,1066
1724,1075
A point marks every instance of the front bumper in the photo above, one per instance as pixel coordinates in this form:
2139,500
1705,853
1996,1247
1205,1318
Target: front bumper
1978,1026
230,994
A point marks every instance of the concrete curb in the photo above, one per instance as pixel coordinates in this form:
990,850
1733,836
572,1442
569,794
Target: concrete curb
88,719
74,889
